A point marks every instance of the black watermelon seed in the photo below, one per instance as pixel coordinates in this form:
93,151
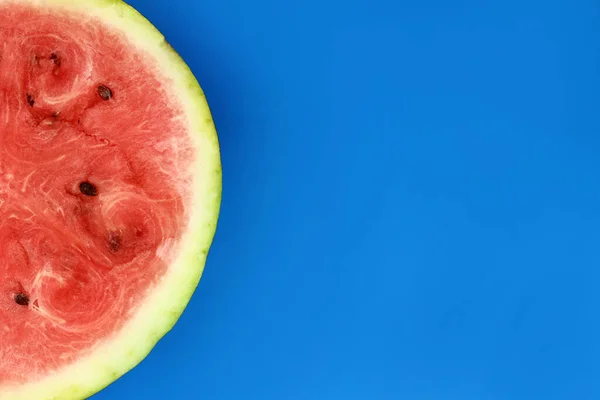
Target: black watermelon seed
88,189
55,58
30,100
104,92
22,299
114,242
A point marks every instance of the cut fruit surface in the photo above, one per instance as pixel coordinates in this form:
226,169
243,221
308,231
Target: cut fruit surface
110,187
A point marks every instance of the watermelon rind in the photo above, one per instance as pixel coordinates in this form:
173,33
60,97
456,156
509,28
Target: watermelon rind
164,305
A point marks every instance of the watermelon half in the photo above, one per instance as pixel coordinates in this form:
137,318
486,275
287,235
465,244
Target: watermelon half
110,188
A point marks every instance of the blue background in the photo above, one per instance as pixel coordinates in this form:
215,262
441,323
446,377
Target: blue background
411,206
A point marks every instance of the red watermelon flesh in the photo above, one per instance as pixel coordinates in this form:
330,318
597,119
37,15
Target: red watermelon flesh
95,186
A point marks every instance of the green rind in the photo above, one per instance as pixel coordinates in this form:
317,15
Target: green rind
166,303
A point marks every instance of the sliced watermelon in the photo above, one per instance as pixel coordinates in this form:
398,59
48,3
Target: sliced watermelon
110,187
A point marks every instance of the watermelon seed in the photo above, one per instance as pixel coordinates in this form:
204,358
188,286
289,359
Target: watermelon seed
30,100
56,59
114,241
22,299
104,92
88,189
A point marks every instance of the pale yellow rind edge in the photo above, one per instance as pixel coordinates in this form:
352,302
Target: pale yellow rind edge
163,307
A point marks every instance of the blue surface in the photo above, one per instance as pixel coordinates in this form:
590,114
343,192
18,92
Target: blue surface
410,208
